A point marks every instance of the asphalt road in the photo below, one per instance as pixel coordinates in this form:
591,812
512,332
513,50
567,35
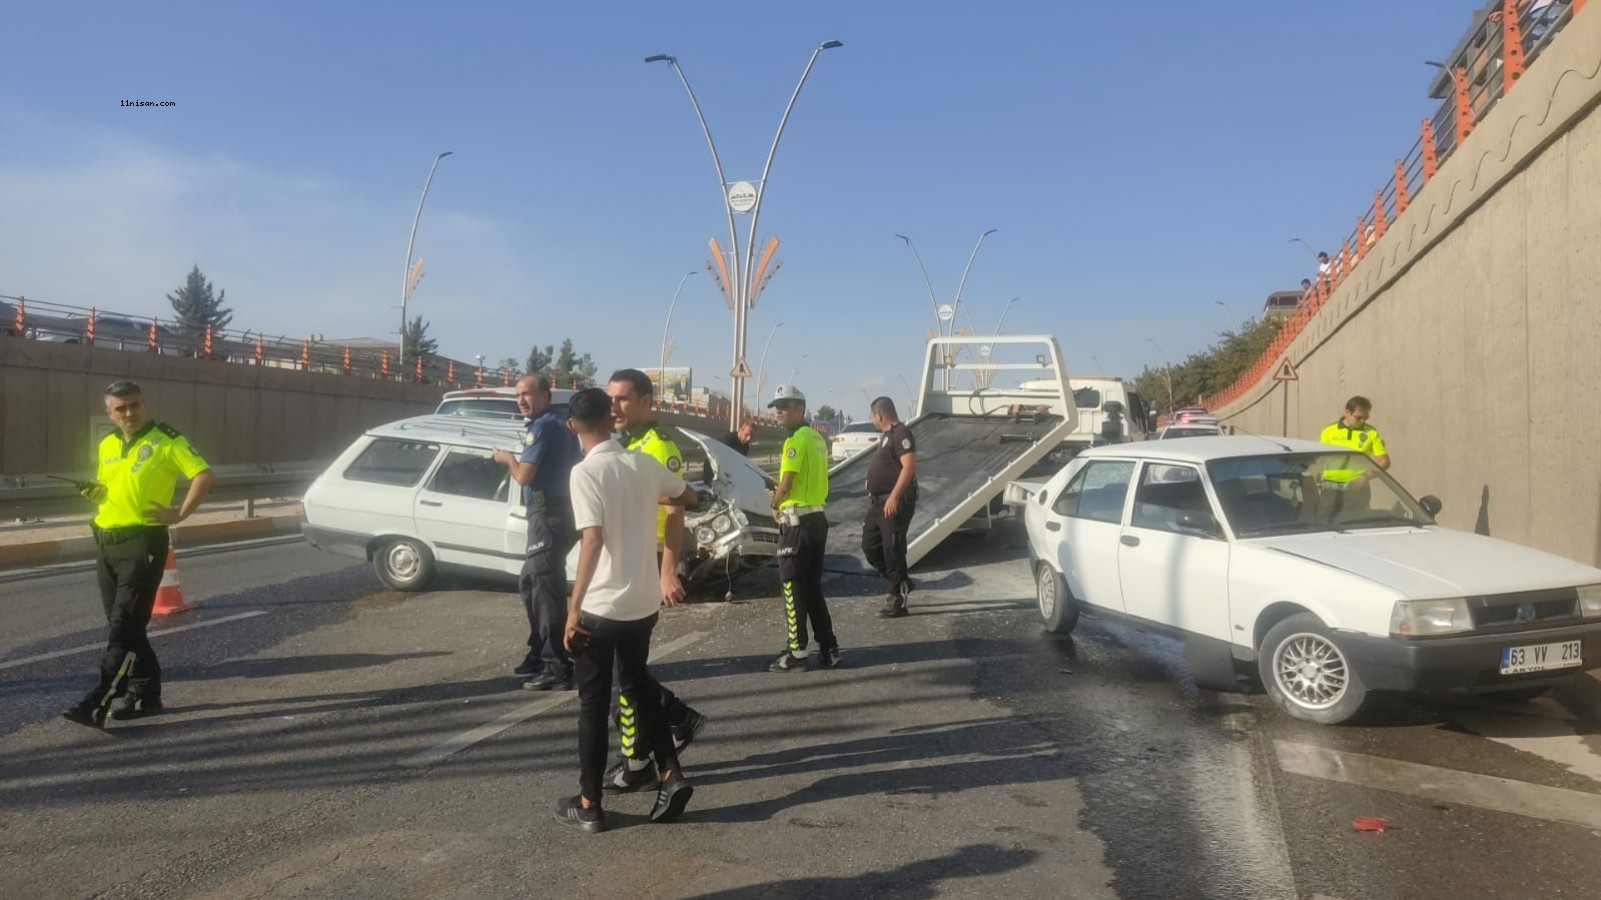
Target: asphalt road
343,740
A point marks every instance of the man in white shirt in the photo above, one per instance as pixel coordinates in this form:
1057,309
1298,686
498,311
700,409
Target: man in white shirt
615,601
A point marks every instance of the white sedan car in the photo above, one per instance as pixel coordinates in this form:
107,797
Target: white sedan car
420,495
856,437
1307,566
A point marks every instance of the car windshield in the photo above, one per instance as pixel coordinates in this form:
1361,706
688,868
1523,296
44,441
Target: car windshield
1305,492
1189,432
481,407
860,428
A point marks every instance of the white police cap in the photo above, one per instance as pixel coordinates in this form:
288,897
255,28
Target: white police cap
786,392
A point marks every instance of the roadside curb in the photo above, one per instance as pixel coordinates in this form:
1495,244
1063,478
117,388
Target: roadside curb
83,547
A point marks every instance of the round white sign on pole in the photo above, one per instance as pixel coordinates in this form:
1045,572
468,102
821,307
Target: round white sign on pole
984,351
947,312
742,197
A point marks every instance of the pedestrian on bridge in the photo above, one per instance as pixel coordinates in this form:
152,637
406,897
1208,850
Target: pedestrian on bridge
615,604
136,476
892,493
543,469
802,534
631,396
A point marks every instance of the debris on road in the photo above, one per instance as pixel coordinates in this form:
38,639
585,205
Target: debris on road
1370,823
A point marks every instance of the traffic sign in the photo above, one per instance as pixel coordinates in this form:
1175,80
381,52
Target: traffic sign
1286,372
741,369
984,351
742,197
947,312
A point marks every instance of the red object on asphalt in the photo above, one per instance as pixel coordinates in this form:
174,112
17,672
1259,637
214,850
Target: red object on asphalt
1370,823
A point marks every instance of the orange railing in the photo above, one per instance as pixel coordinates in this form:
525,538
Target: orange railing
1506,36
62,323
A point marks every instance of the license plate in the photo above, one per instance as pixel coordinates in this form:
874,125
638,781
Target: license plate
1540,657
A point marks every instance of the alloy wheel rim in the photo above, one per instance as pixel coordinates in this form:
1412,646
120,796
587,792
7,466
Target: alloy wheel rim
1310,671
1046,592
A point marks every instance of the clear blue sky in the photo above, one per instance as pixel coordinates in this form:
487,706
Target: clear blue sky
1140,160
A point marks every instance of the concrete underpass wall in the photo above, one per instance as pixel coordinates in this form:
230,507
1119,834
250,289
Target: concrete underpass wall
1474,325
52,402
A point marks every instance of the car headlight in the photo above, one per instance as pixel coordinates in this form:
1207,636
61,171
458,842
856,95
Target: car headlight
705,535
723,524
1417,618
1590,601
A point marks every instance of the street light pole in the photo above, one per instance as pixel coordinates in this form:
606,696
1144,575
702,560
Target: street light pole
796,368
956,302
1309,251
405,282
741,287
1235,322
661,374
1170,403
761,369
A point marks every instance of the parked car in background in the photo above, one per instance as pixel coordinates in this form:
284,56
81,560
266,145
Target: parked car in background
494,403
856,437
1189,431
424,495
1308,567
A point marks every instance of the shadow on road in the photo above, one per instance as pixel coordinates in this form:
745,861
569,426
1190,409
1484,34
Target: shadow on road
922,878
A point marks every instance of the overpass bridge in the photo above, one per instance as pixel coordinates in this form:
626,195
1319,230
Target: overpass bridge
1473,318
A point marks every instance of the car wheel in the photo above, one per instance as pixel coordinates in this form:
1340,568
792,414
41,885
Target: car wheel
403,564
1305,673
1519,695
1057,609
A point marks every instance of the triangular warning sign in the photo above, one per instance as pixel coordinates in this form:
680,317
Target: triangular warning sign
741,369
1286,372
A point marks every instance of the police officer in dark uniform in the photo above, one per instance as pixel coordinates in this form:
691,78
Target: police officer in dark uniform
543,469
892,489
136,474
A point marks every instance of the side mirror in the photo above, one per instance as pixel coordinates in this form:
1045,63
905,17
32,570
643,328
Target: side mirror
1200,522
1431,505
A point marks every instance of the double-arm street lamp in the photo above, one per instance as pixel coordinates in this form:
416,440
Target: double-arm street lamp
761,368
742,198
661,374
407,283
944,325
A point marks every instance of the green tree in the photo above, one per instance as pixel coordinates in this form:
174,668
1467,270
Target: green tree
825,413
416,341
511,365
539,360
569,368
197,305
1211,370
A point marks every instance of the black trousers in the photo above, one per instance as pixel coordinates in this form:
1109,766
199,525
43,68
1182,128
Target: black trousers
129,572
633,744
800,570
543,583
884,537
625,646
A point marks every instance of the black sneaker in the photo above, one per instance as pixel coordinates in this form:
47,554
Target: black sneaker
531,665
671,797
134,706
620,779
828,659
787,662
571,811
686,731
545,681
90,714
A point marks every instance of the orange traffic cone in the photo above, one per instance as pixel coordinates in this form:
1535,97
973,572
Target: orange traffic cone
169,597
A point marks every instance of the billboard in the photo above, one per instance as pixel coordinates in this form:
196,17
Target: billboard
675,383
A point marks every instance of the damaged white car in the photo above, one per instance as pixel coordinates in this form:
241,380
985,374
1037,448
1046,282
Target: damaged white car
423,495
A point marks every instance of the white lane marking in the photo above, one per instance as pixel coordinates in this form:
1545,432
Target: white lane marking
471,736
1550,739
13,663
1434,783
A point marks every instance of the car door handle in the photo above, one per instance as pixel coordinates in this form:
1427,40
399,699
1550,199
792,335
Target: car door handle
1053,526
1130,540
430,503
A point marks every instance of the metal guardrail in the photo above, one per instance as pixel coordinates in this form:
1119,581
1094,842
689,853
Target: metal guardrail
34,497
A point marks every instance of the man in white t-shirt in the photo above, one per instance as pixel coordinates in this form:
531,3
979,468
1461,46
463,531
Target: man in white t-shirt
615,601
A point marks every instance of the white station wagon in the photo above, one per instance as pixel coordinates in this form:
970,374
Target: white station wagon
423,494
1307,566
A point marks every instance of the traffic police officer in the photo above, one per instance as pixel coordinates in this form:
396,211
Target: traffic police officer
802,534
632,395
1347,488
137,473
544,469
892,493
